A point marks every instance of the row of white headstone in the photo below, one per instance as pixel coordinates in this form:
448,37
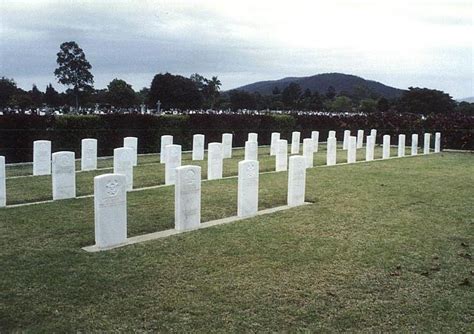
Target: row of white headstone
63,163
110,198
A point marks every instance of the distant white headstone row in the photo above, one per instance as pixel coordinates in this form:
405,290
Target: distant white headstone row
110,198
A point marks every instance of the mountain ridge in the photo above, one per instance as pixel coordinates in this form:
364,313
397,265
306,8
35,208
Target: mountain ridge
321,82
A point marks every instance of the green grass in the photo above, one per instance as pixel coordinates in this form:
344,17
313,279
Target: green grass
385,246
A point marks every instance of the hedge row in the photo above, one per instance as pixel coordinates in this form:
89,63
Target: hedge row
17,132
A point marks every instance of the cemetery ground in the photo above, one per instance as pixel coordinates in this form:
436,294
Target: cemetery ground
383,246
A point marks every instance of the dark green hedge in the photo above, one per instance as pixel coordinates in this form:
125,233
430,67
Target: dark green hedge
17,132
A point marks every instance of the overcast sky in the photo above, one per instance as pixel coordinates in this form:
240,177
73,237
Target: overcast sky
399,43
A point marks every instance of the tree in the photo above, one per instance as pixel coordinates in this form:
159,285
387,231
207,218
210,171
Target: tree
174,91
331,93
7,90
426,101
240,99
36,97
368,105
383,105
121,94
212,90
276,90
291,94
74,69
341,103
51,96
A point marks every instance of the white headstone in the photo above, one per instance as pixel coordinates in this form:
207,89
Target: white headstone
110,209
253,137
360,138
401,145
64,175
296,180
426,143
3,187
315,138
173,160
295,142
281,159
373,133
88,154
386,147
227,145
247,196
332,134
308,152
331,151
41,157
187,194
198,147
251,150
274,142
345,142
414,144
369,148
214,161
123,164
165,141
352,149
132,142
437,147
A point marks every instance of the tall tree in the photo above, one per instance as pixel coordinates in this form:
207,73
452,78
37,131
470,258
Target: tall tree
426,101
121,94
174,91
51,96
36,96
73,69
212,90
291,94
7,90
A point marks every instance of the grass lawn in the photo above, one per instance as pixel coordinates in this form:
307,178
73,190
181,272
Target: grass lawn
385,246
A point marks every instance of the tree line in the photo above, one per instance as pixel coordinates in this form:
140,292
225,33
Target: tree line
197,92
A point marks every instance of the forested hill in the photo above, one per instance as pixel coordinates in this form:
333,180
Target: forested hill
321,82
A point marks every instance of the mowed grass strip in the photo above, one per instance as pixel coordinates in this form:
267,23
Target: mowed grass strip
386,246
149,172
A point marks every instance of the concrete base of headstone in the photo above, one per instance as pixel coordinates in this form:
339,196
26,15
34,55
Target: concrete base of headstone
168,233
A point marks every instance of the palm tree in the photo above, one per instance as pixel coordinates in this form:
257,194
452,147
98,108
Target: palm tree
213,87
